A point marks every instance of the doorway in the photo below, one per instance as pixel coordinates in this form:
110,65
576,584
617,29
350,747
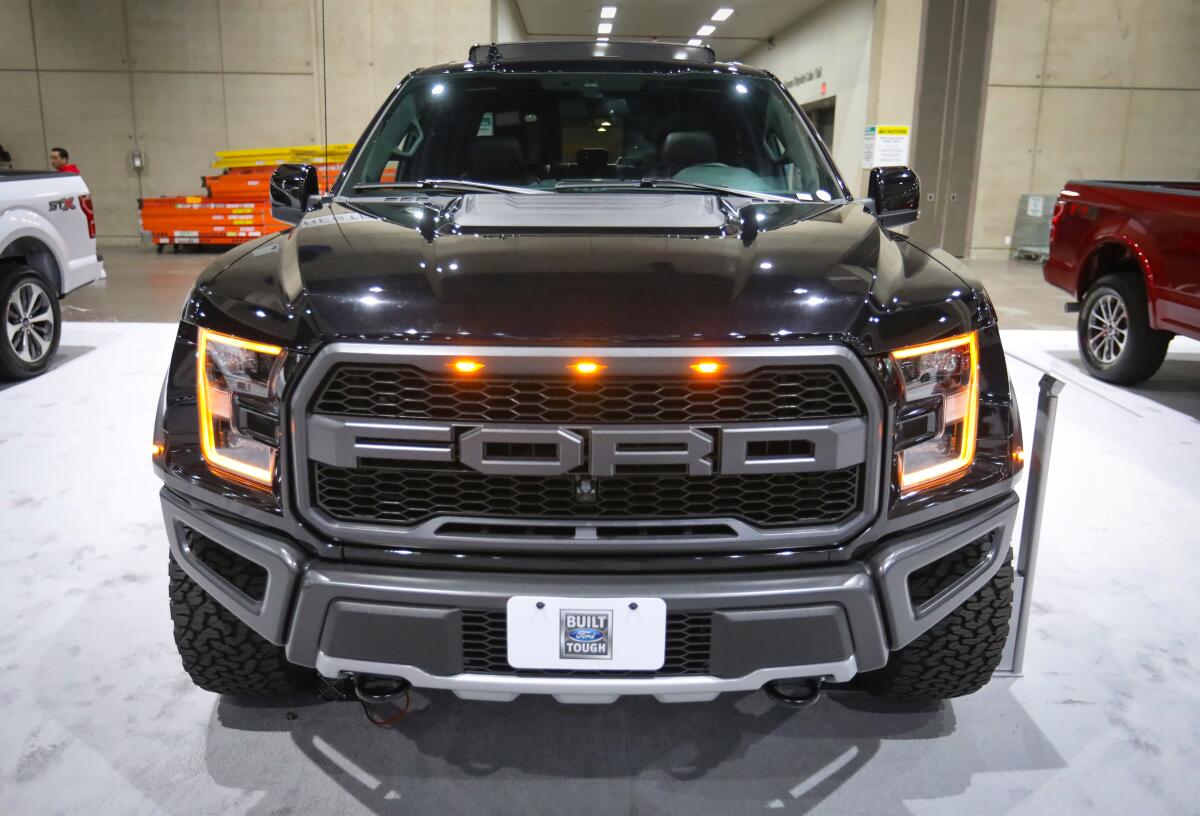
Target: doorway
820,113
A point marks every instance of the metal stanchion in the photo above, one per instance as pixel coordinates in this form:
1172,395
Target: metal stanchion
1035,496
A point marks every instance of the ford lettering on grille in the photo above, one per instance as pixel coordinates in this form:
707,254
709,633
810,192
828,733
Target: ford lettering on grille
524,450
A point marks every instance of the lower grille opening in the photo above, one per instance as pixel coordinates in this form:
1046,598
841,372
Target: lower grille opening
485,647
242,573
397,495
929,580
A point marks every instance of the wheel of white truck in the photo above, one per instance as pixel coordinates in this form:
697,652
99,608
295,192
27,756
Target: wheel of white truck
1116,341
30,323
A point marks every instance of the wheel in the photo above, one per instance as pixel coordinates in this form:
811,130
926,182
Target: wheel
220,653
958,655
1116,341
31,323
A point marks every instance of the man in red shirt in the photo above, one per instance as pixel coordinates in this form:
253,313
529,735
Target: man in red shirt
60,160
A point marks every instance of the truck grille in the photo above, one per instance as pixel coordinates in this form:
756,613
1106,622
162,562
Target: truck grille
485,647
393,495
406,392
390,449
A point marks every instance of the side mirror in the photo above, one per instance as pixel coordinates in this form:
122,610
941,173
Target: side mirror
895,195
294,191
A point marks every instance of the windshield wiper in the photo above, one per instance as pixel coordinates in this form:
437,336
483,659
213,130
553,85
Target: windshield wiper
447,185
674,184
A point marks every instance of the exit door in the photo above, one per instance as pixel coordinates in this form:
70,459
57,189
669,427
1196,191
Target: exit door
820,113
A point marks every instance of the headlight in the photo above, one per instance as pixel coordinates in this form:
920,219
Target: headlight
939,415
237,388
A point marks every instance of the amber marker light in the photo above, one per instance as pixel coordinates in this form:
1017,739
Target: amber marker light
707,367
586,368
467,366
205,394
960,461
156,449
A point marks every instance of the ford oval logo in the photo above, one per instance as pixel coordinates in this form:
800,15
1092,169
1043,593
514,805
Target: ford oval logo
585,635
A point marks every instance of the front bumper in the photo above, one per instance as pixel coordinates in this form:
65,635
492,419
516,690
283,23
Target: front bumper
821,622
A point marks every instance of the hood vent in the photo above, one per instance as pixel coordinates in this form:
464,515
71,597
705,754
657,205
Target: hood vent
576,212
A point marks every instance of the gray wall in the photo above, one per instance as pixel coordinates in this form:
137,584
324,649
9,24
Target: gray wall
836,37
1085,89
180,79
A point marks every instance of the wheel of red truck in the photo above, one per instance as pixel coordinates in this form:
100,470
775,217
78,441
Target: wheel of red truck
958,655
222,654
1116,341
30,323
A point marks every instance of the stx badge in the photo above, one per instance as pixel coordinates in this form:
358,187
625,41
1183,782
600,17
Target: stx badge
63,204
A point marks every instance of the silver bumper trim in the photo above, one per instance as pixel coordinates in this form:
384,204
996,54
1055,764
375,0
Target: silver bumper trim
505,688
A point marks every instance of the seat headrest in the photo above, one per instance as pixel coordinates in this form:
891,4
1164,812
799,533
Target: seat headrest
496,158
683,148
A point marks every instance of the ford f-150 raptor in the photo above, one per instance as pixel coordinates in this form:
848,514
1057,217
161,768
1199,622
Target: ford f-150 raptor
589,377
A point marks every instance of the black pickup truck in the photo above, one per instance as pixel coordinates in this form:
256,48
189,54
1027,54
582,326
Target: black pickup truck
589,377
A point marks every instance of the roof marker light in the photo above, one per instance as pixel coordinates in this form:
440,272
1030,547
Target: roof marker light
586,368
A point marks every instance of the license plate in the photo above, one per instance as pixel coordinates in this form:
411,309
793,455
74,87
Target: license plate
587,634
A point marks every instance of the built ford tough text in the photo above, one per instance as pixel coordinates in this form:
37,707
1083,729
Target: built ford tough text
589,377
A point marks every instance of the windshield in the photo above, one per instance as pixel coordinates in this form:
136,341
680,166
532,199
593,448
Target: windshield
549,130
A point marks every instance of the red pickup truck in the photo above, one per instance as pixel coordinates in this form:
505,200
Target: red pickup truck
1129,252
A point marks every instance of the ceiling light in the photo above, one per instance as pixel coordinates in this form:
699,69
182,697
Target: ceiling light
602,39
604,28
695,42
720,15
705,30
608,12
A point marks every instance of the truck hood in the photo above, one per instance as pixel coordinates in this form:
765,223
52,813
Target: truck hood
816,270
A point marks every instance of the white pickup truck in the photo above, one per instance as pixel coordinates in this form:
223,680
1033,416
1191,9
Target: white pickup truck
47,248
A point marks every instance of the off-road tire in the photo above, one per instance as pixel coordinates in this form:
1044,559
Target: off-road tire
220,653
12,367
1144,348
958,655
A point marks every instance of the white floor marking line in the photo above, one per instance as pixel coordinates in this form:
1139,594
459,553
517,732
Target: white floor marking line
345,763
829,770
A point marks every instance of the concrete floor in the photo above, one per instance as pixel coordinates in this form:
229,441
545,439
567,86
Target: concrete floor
143,285
99,718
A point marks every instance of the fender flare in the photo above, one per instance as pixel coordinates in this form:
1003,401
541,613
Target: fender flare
1139,243
24,222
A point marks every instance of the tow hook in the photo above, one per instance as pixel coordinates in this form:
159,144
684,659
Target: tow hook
801,692
373,688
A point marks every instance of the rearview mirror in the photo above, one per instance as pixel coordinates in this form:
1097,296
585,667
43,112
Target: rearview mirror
294,191
894,195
